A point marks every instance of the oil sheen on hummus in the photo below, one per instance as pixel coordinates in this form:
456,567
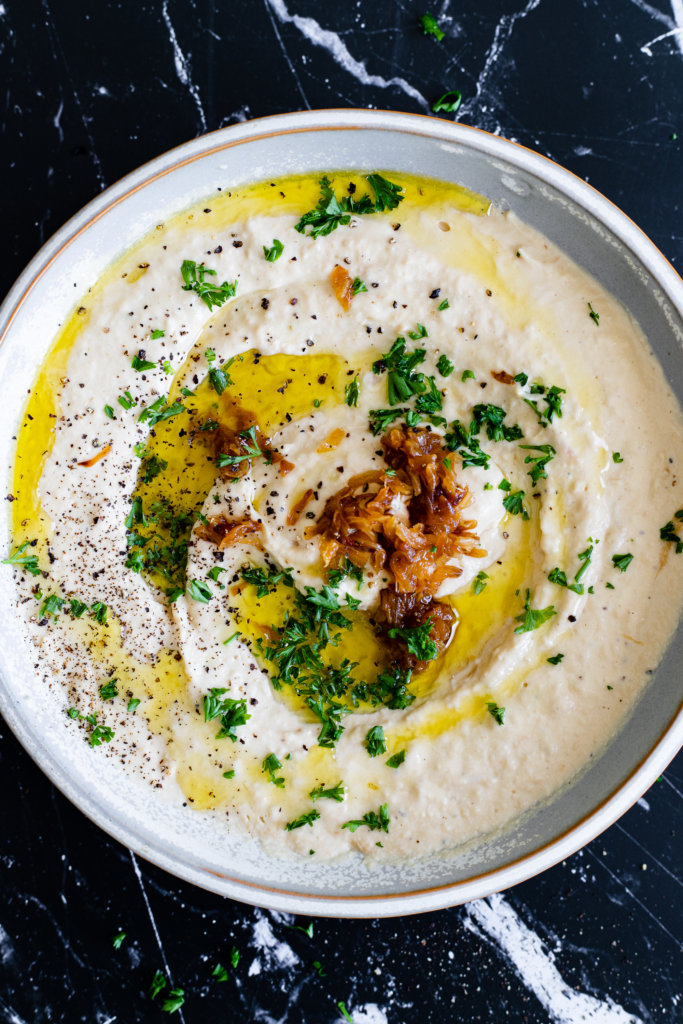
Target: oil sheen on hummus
346,529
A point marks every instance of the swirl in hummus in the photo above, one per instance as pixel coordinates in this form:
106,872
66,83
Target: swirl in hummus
337,514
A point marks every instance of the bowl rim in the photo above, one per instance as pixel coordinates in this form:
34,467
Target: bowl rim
592,201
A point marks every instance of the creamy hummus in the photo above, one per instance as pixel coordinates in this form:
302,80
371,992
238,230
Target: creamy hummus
185,446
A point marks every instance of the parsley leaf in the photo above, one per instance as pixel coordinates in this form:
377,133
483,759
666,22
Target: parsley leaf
449,102
157,333
194,276
538,462
357,286
496,711
444,366
416,639
555,660
351,393
430,26
668,533
274,252
200,591
479,582
28,562
331,213
532,618
514,504
375,821
397,759
158,983
622,562
304,819
595,317
109,690
331,793
271,764
160,410
374,742
140,364
173,1001
230,712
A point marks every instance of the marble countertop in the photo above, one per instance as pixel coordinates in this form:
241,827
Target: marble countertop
89,92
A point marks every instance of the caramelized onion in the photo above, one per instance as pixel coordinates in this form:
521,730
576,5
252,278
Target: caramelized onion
224,532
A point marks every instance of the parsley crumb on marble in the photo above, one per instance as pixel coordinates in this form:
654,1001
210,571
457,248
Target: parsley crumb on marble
449,102
430,26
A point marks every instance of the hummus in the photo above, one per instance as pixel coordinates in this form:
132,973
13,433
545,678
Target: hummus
337,515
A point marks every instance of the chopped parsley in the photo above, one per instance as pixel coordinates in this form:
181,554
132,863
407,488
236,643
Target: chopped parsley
127,401
402,380
496,711
118,940
304,819
358,286
160,410
139,362
341,1006
553,402
532,618
351,393
158,983
214,573
444,366
595,317
152,467
77,607
555,660
108,411
157,333
559,576
28,562
266,580
376,821
417,640
430,26
274,252
616,457
251,450
109,690
375,742
346,569
219,378
514,504
99,612
444,304
51,605
100,734
538,462
397,759
199,591
668,532
231,713
449,102
622,562
271,765
173,1001
219,973
194,276
479,582
419,332
331,793
133,704
521,378
467,375
330,212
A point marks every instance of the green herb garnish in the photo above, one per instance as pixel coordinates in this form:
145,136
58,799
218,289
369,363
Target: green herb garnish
532,618
271,765
375,742
274,252
555,660
376,821
194,276
496,711
304,819
28,562
351,393
449,102
331,213
622,562
231,713
430,26
444,366
595,317
331,793
397,759
417,640
479,582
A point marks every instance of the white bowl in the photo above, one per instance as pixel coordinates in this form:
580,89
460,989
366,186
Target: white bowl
578,219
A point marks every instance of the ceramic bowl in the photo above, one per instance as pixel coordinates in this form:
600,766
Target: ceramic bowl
574,216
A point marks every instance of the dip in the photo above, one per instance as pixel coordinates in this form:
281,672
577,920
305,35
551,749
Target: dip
345,510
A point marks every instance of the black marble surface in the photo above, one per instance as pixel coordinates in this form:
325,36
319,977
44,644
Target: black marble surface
90,91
